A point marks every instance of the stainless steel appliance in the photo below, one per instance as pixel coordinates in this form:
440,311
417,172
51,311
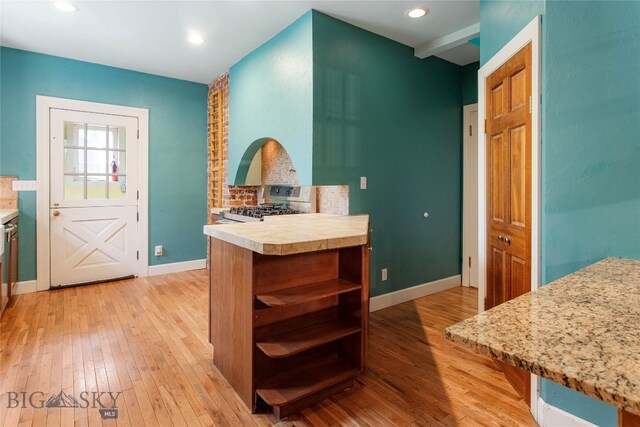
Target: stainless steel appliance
9,269
275,200
4,288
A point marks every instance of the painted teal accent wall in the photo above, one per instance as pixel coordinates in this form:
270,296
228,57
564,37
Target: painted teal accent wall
590,150
271,96
590,141
475,41
501,20
469,76
177,143
382,113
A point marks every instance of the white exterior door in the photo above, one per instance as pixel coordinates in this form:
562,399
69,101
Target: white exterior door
93,197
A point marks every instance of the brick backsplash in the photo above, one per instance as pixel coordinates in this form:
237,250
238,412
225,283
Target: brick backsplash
243,195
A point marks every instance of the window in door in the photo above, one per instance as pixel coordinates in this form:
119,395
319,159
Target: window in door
95,162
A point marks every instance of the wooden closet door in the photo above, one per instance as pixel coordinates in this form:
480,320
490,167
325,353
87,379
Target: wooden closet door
508,148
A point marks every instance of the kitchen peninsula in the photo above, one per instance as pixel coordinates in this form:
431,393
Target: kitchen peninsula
581,331
289,306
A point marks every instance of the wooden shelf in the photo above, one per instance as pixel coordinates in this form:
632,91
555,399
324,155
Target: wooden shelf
307,293
305,380
307,338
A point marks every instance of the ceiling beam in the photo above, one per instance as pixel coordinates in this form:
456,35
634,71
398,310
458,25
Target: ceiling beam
447,42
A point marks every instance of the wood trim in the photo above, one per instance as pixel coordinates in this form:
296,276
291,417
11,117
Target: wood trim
216,130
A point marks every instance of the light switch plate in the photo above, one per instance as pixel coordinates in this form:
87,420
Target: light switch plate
23,185
363,182
384,274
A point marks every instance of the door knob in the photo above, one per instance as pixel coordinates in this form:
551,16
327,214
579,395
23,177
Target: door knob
56,213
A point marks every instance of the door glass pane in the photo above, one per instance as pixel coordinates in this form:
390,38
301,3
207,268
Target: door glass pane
74,134
95,165
97,136
96,187
97,161
117,187
73,187
117,162
117,138
73,160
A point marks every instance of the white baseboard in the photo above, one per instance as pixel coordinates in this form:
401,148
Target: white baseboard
404,295
550,416
25,287
177,267
29,286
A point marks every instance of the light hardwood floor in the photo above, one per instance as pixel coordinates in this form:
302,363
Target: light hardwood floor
147,337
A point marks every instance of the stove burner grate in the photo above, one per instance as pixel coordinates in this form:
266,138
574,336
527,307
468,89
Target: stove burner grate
261,211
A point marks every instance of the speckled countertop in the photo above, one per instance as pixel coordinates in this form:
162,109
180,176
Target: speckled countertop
581,331
291,234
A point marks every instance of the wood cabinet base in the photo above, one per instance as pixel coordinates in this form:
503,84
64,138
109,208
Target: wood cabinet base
288,331
627,419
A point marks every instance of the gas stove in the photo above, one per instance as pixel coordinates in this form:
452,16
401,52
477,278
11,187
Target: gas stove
263,210
276,200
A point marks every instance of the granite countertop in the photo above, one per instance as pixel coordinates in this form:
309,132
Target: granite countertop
581,331
291,234
7,215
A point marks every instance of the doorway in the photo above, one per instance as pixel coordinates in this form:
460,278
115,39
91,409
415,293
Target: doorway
470,196
92,198
509,181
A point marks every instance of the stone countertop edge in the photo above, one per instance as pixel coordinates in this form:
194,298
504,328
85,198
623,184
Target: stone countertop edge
292,234
7,215
566,366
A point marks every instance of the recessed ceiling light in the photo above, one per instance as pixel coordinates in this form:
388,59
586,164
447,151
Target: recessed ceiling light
65,6
417,12
195,38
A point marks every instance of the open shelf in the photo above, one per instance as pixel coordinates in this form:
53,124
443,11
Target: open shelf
301,294
307,338
305,380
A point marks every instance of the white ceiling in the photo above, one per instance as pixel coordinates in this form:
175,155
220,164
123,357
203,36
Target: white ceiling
150,36
461,55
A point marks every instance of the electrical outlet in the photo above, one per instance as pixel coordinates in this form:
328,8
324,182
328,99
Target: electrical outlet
384,274
23,185
159,250
363,182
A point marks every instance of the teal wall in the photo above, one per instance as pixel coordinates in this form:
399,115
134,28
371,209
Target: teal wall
270,96
590,141
501,20
382,113
469,76
590,151
177,143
